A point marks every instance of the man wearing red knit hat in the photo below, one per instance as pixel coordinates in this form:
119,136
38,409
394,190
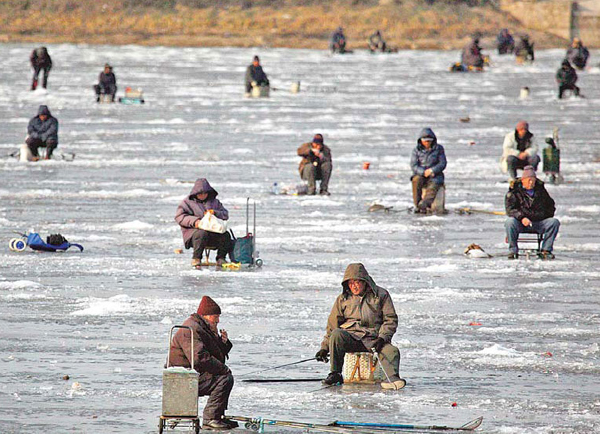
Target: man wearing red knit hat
211,349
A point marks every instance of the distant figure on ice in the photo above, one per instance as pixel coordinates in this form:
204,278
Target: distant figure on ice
577,54
519,150
428,161
361,319
377,43
40,60
506,43
42,132
107,84
316,164
202,200
472,56
566,77
524,50
210,352
255,76
338,41
530,209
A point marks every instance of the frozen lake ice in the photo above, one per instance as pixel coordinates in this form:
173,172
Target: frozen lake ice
102,317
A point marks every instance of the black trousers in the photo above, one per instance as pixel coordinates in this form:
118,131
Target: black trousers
563,87
217,388
202,239
36,73
34,144
110,89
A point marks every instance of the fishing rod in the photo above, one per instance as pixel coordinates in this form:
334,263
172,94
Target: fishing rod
281,380
280,366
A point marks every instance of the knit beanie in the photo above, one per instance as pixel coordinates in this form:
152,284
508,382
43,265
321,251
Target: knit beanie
528,172
318,138
208,307
523,124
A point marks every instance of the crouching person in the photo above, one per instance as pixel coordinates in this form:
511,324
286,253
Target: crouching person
362,318
107,84
316,165
42,132
428,161
202,200
530,209
211,350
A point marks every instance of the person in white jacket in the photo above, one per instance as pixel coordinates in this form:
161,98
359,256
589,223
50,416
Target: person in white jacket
519,150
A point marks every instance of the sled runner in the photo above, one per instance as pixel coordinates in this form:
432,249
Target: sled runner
55,242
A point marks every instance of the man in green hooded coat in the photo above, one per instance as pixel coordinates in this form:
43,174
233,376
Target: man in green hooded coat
362,319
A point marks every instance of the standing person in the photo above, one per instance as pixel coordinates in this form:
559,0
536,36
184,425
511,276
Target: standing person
472,55
577,54
338,41
506,43
524,50
316,164
202,200
255,75
519,150
211,350
427,161
530,209
107,83
361,319
40,60
377,43
42,132
566,77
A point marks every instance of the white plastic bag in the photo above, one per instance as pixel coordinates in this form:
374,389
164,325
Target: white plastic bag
211,223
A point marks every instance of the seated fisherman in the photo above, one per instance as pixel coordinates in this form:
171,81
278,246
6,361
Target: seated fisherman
107,83
472,55
577,54
428,161
519,150
377,43
338,41
42,132
524,50
316,164
255,75
202,200
362,318
530,209
211,349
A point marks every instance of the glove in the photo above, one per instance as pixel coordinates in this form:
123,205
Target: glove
378,344
322,356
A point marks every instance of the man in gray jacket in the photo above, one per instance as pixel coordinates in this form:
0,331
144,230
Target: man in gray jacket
362,319
42,132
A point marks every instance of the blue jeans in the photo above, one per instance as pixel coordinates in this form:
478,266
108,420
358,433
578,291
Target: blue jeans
515,163
548,227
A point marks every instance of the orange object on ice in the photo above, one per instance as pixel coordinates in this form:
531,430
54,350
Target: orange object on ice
366,165
474,323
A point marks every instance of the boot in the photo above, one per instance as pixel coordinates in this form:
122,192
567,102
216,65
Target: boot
395,383
196,262
333,378
216,425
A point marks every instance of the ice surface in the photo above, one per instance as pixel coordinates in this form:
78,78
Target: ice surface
103,316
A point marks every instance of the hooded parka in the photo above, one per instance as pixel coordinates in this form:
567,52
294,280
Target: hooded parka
433,158
43,130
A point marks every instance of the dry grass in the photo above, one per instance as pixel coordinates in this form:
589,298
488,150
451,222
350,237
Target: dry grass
410,24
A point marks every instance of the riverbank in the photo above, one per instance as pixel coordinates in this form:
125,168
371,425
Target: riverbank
409,25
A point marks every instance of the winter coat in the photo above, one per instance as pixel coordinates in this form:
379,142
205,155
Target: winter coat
374,317
308,157
256,73
40,58
566,75
471,55
210,352
506,42
578,56
338,39
106,80
520,205
43,130
512,147
433,158
191,209
525,50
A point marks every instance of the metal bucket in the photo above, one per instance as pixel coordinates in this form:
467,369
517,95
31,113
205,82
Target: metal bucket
180,385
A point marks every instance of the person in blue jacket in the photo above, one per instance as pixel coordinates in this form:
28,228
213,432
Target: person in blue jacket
42,132
428,161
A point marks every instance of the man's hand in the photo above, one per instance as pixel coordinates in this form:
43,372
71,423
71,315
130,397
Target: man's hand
315,151
224,336
526,222
522,156
322,356
378,344
197,224
428,173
